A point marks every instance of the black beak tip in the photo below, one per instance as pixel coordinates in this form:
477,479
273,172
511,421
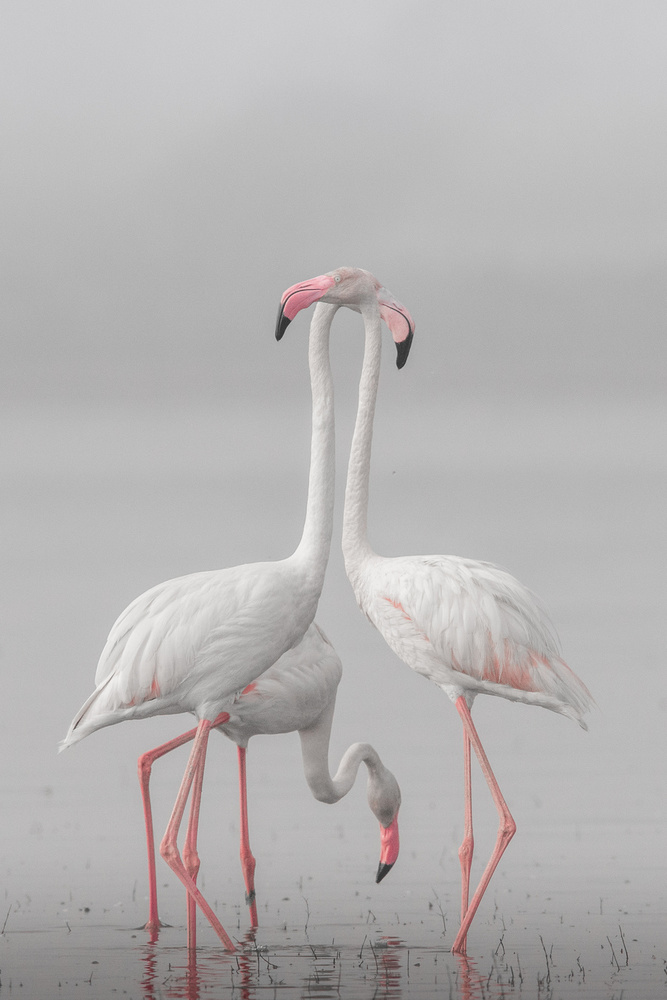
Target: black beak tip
282,323
383,869
403,349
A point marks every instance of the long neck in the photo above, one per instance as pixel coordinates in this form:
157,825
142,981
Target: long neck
315,543
315,752
356,547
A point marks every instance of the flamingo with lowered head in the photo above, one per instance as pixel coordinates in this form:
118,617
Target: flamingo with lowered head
296,693
466,625
192,643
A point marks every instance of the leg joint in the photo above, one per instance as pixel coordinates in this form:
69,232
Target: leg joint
466,850
169,851
507,828
145,766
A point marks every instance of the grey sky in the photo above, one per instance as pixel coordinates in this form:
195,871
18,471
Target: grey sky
169,168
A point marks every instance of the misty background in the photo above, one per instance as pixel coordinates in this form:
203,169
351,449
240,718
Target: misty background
167,170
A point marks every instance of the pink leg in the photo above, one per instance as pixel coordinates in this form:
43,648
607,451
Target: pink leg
468,843
145,765
506,828
247,859
169,845
191,860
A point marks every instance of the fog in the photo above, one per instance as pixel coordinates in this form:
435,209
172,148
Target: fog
167,170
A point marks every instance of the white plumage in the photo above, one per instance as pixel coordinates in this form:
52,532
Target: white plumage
470,626
193,643
291,695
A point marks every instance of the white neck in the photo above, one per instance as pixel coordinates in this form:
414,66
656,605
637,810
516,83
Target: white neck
356,547
313,549
315,753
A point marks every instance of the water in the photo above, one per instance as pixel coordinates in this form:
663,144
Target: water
99,505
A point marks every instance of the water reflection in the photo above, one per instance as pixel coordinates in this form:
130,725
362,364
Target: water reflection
381,968
471,984
188,981
390,968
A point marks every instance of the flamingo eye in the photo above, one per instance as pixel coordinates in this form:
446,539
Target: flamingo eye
337,278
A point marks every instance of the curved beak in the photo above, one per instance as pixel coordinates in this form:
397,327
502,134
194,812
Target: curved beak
389,849
402,350
399,321
299,297
383,869
282,322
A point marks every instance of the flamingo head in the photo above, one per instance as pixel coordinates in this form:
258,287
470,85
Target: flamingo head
352,287
384,799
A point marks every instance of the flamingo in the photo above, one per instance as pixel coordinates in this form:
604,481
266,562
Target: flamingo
468,626
296,693
190,644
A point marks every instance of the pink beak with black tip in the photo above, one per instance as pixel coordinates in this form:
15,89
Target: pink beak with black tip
400,323
389,849
299,297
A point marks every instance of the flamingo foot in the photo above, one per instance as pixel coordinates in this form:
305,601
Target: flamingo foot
153,926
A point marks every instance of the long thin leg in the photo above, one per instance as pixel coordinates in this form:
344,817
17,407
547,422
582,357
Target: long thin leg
169,845
468,843
247,859
191,860
145,765
506,828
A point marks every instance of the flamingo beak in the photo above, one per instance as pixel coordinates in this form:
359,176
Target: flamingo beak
399,321
389,850
383,869
282,322
403,349
299,297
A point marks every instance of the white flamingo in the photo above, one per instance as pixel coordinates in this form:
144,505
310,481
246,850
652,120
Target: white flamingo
467,625
296,693
190,644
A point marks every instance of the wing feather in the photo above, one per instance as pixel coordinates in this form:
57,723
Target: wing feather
454,619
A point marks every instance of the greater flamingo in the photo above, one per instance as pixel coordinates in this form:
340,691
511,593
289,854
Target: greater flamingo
467,625
296,693
190,644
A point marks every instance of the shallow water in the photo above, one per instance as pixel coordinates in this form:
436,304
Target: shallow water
330,940
99,506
